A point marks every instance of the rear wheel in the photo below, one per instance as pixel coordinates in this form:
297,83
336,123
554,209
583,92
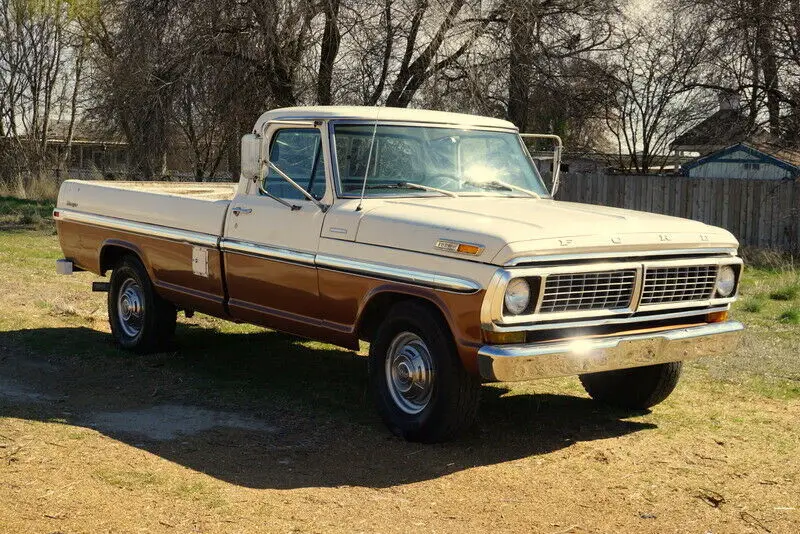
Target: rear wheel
140,320
635,388
421,389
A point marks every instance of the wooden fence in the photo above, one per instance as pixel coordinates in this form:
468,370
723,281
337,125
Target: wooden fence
760,213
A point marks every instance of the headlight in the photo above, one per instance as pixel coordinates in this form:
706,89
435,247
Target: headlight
726,281
518,296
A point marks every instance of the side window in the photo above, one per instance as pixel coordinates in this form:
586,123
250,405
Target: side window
298,153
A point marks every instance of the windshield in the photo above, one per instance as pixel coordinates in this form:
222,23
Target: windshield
426,160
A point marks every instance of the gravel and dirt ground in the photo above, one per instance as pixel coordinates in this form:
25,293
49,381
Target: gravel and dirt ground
239,429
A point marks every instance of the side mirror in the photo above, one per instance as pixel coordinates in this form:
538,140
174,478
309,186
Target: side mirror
251,156
553,154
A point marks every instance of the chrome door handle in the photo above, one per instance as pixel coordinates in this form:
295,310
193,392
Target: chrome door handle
238,210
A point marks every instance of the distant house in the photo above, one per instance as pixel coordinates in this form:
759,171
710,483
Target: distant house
727,145
585,162
746,162
726,127
96,152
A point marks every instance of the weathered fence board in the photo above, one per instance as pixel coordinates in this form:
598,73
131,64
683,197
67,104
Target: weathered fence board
760,213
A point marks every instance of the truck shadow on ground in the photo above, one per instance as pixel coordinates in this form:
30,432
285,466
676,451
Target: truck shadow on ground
265,410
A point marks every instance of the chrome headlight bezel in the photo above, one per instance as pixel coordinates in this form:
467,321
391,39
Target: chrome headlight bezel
517,297
726,283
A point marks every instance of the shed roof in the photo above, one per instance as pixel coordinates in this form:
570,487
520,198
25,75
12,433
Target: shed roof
724,128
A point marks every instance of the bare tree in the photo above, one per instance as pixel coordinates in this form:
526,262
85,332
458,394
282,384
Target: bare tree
755,53
36,50
397,46
549,41
656,78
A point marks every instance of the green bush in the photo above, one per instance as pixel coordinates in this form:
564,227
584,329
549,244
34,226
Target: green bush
18,212
753,305
791,316
789,292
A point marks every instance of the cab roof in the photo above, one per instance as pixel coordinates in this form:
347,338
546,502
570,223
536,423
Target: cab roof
370,113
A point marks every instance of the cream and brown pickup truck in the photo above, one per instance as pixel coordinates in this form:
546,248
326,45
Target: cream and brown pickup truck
430,235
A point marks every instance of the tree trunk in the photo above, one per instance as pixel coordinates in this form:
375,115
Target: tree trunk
412,74
331,39
769,68
73,108
520,67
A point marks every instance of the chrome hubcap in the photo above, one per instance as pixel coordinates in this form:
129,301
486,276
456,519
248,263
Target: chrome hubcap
130,307
410,373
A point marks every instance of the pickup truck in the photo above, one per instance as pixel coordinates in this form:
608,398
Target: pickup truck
429,235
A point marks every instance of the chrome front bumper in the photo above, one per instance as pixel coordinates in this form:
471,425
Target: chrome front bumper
509,363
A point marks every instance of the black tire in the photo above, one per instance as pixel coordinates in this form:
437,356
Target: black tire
152,328
637,388
454,393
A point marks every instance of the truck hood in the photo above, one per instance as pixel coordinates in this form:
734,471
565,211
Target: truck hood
510,228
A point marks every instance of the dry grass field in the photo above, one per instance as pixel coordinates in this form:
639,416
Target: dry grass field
239,429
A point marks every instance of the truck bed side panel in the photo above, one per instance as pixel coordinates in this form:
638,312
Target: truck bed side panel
169,263
199,209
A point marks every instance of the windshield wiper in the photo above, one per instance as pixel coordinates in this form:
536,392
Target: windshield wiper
499,184
411,185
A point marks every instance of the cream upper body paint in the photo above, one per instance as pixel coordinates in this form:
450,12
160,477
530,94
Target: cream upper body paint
576,266
400,231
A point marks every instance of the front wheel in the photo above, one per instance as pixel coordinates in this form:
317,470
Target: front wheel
141,321
421,389
636,388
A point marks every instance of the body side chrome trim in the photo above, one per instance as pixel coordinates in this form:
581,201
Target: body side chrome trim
336,263
264,251
507,363
429,279
146,229
610,255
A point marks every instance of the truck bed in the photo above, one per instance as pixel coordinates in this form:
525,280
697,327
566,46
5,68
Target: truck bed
180,205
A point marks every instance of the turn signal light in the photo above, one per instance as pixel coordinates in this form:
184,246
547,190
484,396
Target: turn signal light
717,317
460,248
464,248
504,338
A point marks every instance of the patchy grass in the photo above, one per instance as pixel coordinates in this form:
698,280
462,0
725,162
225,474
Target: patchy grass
543,458
752,305
25,214
786,293
790,316
130,480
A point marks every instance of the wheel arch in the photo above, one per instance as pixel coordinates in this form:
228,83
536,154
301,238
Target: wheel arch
112,250
378,303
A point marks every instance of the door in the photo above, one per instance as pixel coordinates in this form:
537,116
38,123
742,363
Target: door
270,242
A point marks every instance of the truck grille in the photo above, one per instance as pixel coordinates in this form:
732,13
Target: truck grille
664,285
588,291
